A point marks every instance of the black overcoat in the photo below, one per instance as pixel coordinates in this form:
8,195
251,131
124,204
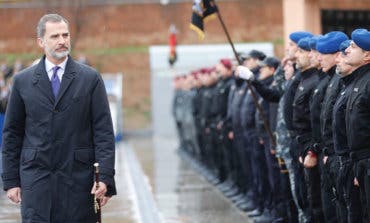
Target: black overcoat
49,146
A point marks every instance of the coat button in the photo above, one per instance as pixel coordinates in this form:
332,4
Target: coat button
56,110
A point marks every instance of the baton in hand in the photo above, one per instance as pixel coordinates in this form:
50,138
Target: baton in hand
97,205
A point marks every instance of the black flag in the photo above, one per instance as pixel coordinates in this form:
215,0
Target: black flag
203,10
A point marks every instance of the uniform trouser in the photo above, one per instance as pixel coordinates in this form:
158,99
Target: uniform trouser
207,147
300,188
286,207
362,173
234,161
312,177
328,188
180,133
220,156
227,154
244,173
273,171
260,176
190,134
347,192
287,156
250,145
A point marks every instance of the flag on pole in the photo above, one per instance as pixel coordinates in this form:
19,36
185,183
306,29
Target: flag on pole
172,43
203,10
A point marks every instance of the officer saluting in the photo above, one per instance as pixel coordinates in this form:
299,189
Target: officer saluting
358,112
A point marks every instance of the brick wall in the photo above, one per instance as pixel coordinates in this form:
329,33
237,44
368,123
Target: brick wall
128,26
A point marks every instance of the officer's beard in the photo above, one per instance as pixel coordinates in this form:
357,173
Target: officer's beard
58,55
338,71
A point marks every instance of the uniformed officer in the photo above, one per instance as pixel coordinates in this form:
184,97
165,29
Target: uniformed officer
220,105
289,94
347,192
222,72
283,203
328,47
189,121
252,152
302,131
358,113
177,107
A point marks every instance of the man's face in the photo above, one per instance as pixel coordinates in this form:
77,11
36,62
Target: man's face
56,41
288,70
251,63
327,61
314,58
355,55
291,50
266,71
221,69
302,59
343,69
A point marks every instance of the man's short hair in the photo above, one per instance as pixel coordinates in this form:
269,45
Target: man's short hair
48,18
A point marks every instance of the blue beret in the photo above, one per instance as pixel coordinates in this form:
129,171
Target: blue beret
362,38
296,36
330,42
304,43
344,45
313,41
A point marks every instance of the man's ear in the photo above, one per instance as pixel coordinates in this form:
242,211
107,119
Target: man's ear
367,57
40,42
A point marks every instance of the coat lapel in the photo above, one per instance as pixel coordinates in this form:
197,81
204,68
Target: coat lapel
41,81
68,77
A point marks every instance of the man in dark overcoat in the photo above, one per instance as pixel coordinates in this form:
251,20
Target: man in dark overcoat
57,125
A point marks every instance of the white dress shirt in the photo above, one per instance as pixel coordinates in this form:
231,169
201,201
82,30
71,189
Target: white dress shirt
49,68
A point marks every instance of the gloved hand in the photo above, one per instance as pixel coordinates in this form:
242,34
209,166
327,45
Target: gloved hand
244,73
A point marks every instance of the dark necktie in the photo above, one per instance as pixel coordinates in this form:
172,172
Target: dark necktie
55,82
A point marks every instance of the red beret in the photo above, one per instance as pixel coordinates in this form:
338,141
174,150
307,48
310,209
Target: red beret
226,63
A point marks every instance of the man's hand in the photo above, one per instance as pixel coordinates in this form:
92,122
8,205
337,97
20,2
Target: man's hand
244,73
231,135
14,194
355,182
310,161
100,193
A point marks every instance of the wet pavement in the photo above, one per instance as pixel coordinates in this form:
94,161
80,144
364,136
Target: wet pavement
155,185
181,194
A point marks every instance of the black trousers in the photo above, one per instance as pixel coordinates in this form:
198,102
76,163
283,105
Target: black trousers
362,173
260,176
348,193
328,188
300,186
312,177
273,170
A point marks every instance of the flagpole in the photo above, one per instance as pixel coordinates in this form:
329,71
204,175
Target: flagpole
253,94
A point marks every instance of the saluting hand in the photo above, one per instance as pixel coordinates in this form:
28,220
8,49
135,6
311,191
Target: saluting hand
14,194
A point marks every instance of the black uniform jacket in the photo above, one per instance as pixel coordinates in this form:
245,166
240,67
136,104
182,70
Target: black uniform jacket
358,111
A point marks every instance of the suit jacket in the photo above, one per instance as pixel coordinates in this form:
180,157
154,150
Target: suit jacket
50,145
